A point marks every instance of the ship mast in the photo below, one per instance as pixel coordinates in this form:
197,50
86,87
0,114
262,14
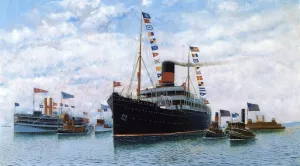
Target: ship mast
140,62
188,72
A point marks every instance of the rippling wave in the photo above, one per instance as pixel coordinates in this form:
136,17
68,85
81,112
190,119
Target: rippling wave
269,148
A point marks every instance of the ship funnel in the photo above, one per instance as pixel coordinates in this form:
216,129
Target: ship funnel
216,116
50,106
263,118
257,120
45,106
243,115
168,69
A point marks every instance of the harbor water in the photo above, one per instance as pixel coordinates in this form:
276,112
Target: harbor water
269,148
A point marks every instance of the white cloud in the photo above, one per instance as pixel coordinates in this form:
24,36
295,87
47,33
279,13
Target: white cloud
228,6
60,16
75,57
16,35
146,2
79,4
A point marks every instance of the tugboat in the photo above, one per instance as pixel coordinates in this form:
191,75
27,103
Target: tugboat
69,127
238,130
215,131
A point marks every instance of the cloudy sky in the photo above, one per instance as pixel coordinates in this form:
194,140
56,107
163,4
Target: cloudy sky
81,46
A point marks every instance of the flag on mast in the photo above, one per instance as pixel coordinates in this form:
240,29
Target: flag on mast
66,95
37,90
253,107
116,84
224,113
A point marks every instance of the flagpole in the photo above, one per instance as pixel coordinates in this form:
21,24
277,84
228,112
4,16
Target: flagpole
113,86
61,104
33,100
246,120
220,119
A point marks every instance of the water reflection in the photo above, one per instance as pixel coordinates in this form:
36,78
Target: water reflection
144,140
244,142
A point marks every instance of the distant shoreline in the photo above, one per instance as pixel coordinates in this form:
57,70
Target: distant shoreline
291,124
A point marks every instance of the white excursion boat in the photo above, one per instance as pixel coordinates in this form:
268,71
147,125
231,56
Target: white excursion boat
36,123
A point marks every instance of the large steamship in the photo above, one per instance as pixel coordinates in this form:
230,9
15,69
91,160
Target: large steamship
164,109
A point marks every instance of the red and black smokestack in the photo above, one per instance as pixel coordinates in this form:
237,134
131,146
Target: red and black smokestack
168,69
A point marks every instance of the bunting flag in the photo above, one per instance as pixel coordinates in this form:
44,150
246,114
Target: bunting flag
153,43
72,106
41,106
54,104
195,56
66,95
17,104
66,105
54,108
116,84
61,104
37,90
99,110
85,113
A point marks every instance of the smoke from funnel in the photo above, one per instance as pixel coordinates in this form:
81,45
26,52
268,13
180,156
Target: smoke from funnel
202,64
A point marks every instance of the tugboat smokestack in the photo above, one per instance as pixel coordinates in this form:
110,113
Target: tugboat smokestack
216,116
243,115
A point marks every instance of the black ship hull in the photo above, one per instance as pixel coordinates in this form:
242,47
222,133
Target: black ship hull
141,118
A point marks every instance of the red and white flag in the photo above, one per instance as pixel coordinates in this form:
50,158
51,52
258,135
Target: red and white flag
117,84
37,90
